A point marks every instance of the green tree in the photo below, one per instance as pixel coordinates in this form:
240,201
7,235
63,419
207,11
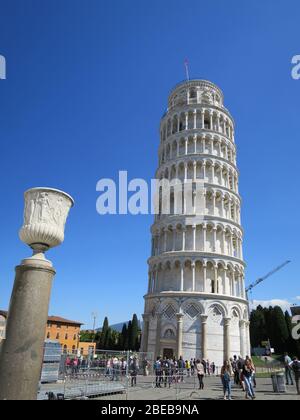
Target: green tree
104,335
133,342
86,336
258,327
129,336
123,338
280,333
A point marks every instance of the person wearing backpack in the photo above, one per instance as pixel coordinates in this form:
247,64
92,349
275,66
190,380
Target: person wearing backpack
226,373
295,365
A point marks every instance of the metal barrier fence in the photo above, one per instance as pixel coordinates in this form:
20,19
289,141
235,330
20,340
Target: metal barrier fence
113,375
104,374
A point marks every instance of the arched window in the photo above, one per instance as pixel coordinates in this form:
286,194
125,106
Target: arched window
65,349
193,93
57,336
48,336
73,349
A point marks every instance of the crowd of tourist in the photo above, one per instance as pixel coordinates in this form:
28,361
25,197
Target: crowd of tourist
170,370
167,371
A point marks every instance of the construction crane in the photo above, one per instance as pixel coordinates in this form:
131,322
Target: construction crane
260,280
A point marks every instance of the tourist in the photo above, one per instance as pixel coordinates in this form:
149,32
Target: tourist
235,370
213,368
181,367
208,367
171,372
247,379
204,366
288,369
133,368
295,365
226,373
175,371
193,364
145,365
158,372
200,373
124,367
188,368
241,364
115,369
108,368
166,372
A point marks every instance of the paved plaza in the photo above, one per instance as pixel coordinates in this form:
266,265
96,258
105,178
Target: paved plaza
213,391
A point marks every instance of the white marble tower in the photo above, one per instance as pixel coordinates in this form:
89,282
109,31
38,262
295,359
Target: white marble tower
196,302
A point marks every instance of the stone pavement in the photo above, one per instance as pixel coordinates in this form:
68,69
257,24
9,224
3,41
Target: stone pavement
213,391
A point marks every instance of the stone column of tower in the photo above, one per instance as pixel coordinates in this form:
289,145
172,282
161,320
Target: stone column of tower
196,302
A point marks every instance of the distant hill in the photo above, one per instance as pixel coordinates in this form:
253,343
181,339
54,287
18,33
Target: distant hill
118,327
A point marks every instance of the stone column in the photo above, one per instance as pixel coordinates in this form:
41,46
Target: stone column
222,207
186,120
182,278
195,143
204,336
202,117
216,280
203,144
204,277
183,238
145,336
214,239
174,239
165,239
213,173
195,119
248,341
227,349
194,275
194,227
179,317
195,170
204,237
158,335
22,351
156,281
223,240
204,171
242,338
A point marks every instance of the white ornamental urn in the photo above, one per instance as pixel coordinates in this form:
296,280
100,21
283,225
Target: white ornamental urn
45,216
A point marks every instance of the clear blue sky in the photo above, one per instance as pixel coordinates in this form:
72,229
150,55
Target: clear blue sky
87,83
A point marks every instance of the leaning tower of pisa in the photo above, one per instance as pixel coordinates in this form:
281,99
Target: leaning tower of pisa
196,305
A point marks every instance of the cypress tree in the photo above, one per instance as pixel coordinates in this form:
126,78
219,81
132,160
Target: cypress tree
108,339
134,333
129,336
123,337
103,336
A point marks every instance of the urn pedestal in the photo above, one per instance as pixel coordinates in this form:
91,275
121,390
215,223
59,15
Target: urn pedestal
21,354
